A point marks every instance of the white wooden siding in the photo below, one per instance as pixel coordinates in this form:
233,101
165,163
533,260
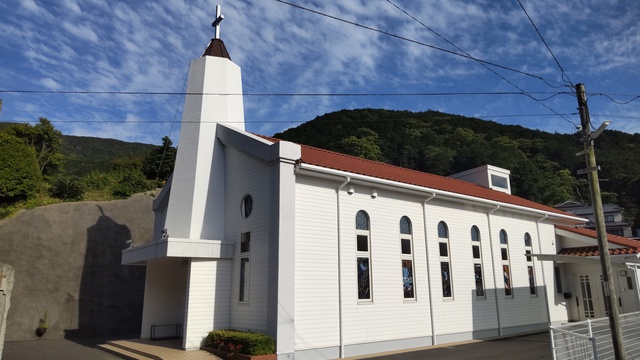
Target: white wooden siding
164,294
208,300
245,175
316,270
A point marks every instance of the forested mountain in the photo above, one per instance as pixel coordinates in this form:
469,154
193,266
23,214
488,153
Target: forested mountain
543,165
84,154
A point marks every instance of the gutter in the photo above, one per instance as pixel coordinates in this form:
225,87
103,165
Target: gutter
310,169
426,244
340,317
544,278
493,266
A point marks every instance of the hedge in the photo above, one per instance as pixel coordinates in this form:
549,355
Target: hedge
242,342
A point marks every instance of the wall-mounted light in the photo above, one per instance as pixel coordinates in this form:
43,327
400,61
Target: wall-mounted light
350,190
374,193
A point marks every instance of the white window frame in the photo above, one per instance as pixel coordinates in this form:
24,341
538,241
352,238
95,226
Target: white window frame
443,239
477,243
364,230
504,248
406,234
245,270
531,270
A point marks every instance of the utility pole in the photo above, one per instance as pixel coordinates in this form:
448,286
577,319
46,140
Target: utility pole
611,297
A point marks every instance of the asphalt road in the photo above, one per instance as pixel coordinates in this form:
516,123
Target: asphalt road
528,347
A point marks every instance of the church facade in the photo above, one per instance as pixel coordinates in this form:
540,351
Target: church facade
334,255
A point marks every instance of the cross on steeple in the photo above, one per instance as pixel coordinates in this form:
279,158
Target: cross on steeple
217,21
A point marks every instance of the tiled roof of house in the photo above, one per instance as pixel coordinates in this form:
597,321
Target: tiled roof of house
593,251
356,165
216,48
629,246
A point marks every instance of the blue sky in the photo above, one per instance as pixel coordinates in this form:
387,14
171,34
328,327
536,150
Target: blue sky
145,46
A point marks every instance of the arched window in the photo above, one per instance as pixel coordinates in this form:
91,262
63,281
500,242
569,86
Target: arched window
445,260
533,289
363,255
406,253
476,252
506,265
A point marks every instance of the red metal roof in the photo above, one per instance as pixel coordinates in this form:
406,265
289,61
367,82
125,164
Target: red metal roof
356,165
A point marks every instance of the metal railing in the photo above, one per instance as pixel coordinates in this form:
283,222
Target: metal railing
591,339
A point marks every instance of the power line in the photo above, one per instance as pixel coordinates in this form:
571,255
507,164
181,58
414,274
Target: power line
545,44
546,81
540,101
456,93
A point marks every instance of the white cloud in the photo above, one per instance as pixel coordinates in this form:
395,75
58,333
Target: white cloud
80,30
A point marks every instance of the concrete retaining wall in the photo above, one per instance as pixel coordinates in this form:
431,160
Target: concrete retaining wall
67,265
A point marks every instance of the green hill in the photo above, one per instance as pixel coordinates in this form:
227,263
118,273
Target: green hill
543,165
84,154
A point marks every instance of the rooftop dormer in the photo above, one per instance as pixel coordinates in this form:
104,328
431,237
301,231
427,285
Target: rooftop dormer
489,176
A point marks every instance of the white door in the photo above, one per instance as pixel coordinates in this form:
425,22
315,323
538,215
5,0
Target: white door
589,297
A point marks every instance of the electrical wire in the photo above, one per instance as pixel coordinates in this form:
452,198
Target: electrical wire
457,93
564,74
540,101
546,81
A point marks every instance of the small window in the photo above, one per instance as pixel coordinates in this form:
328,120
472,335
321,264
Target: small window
527,240
506,264
443,231
362,220
363,256
445,260
477,262
499,181
245,247
246,206
533,289
245,242
406,254
558,277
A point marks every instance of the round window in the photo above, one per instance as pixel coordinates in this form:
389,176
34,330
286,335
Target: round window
246,206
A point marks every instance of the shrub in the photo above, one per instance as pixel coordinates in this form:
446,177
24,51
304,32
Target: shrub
243,342
67,189
131,181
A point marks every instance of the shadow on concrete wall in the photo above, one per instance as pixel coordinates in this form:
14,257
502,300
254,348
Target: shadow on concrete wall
110,295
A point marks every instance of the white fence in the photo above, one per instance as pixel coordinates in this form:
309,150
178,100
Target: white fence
591,339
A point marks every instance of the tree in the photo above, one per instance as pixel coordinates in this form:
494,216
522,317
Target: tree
363,144
19,174
158,165
45,140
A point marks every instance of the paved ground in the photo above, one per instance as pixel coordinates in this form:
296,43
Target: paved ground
529,347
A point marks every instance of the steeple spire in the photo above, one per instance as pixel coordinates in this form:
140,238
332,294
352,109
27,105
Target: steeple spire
216,46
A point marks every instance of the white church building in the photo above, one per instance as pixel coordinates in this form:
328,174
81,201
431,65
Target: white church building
337,256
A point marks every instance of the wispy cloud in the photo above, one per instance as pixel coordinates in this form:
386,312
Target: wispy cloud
146,46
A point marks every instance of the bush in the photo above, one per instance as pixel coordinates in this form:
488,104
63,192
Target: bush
96,180
19,174
67,189
242,342
131,181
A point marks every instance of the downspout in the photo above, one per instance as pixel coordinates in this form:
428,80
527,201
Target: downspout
347,179
544,278
426,244
493,265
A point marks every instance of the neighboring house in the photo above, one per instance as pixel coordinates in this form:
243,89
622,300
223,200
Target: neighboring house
612,217
578,272
335,255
